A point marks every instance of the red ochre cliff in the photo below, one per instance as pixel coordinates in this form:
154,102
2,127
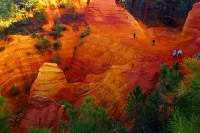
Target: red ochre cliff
108,64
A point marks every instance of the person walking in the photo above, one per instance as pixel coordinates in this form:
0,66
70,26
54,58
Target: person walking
174,54
134,35
153,42
180,53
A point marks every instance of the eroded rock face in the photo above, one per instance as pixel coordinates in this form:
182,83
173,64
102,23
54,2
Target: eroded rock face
192,26
49,81
41,112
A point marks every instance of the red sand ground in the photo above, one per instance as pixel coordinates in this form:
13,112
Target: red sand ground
109,63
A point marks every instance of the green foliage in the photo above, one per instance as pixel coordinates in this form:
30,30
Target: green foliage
170,78
169,12
57,28
38,130
14,91
136,101
181,124
55,34
81,41
41,16
34,35
88,118
86,33
151,114
5,115
7,9
13,17
186,118
57,45
42,44
27,4
56,58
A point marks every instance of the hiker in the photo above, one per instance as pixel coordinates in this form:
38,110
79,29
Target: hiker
134,35
179,53
174,54
153,42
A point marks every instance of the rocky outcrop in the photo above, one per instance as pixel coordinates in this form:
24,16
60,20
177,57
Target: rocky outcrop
192,26
100,66
42,112
49,81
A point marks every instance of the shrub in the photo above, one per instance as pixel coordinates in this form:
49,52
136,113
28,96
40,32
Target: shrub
55,34
40,16
56,58
34,35
57,45
88,118
66,68
14,91
82,35
38,130
86,33
42,44
85,90
81,41
25,21
56,20
59,28
27,88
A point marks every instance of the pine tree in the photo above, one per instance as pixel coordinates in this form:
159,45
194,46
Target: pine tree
136,108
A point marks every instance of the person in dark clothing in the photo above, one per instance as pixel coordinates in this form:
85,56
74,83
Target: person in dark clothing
134,35
174,54
153,42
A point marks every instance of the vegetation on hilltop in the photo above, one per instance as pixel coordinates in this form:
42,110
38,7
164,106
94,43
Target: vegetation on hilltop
159,12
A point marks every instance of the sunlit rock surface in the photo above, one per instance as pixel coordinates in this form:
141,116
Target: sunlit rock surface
192,24
49,81
42,112
107,66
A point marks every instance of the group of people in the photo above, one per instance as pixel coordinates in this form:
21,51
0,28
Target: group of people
177,53
153,41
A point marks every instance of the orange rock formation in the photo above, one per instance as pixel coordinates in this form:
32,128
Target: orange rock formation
192,26
108,64
45,113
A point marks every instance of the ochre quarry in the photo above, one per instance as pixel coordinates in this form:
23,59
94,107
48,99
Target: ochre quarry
108,64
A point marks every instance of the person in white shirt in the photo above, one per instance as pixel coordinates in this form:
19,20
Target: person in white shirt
174,54
180,53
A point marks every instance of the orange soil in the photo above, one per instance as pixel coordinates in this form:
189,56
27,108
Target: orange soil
109,63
